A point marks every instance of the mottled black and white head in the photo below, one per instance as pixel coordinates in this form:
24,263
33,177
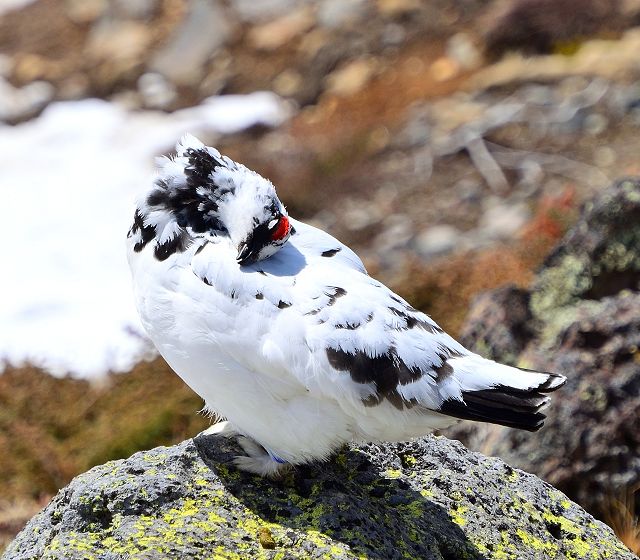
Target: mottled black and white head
200,192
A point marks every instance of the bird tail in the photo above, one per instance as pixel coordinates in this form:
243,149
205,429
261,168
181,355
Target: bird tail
499,394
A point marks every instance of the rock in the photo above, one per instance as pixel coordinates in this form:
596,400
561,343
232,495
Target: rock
156,91
135,9
265,10
499,324
436,241
444,68
351,78
599,257
288,83
335,14
502,220
118,40
181,60
275,34
17,104
584,322
85,11
462,50
537,26
430,499
392,8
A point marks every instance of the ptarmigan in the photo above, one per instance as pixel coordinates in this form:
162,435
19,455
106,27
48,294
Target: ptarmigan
279,328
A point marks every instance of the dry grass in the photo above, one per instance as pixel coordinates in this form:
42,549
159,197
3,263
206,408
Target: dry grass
14,515
445,288
622,517
52,429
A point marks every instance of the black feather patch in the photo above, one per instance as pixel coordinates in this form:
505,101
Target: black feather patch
502,405
146,232
413,322
176,244
445,369
331,252
195,204
335,293
386,372
201,165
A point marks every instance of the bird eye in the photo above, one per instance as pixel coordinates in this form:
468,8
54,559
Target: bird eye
273,223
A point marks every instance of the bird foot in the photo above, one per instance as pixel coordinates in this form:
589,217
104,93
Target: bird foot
257,459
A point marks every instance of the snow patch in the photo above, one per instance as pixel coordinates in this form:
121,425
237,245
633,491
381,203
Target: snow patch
69,181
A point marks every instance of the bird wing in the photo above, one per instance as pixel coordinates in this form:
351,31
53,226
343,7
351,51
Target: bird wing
373,345
317,322
370,344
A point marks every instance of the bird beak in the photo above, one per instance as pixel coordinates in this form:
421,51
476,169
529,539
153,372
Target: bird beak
246,253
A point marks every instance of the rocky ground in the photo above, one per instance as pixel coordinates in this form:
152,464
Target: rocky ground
580,317
421,135
429,499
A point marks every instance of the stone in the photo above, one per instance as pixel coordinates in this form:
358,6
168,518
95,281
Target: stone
580,318
135,9
499,324
288,83
502,220
436,241
462,50
444,68
12,5
394,8
350,78
156,91
599,256
275,34
336,14
537,26
84,12
17,104
430,499
118,40
182,59
265,10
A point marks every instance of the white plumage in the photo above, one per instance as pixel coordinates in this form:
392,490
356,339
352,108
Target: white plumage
278,327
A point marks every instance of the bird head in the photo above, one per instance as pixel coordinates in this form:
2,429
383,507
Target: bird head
205,193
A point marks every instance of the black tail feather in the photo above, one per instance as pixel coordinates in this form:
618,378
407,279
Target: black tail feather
515,408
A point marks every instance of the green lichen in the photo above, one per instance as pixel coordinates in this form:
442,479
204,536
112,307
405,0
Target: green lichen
393,473
435,510
558,320
457,515
631,191
548,548
559,286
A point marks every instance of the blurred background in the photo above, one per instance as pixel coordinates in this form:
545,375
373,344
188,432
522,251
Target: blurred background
452,144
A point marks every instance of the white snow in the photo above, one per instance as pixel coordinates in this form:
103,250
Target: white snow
68,182
11,5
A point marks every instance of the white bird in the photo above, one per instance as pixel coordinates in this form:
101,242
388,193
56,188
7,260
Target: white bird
279,328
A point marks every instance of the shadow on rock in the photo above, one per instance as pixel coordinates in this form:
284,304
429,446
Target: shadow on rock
366,506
